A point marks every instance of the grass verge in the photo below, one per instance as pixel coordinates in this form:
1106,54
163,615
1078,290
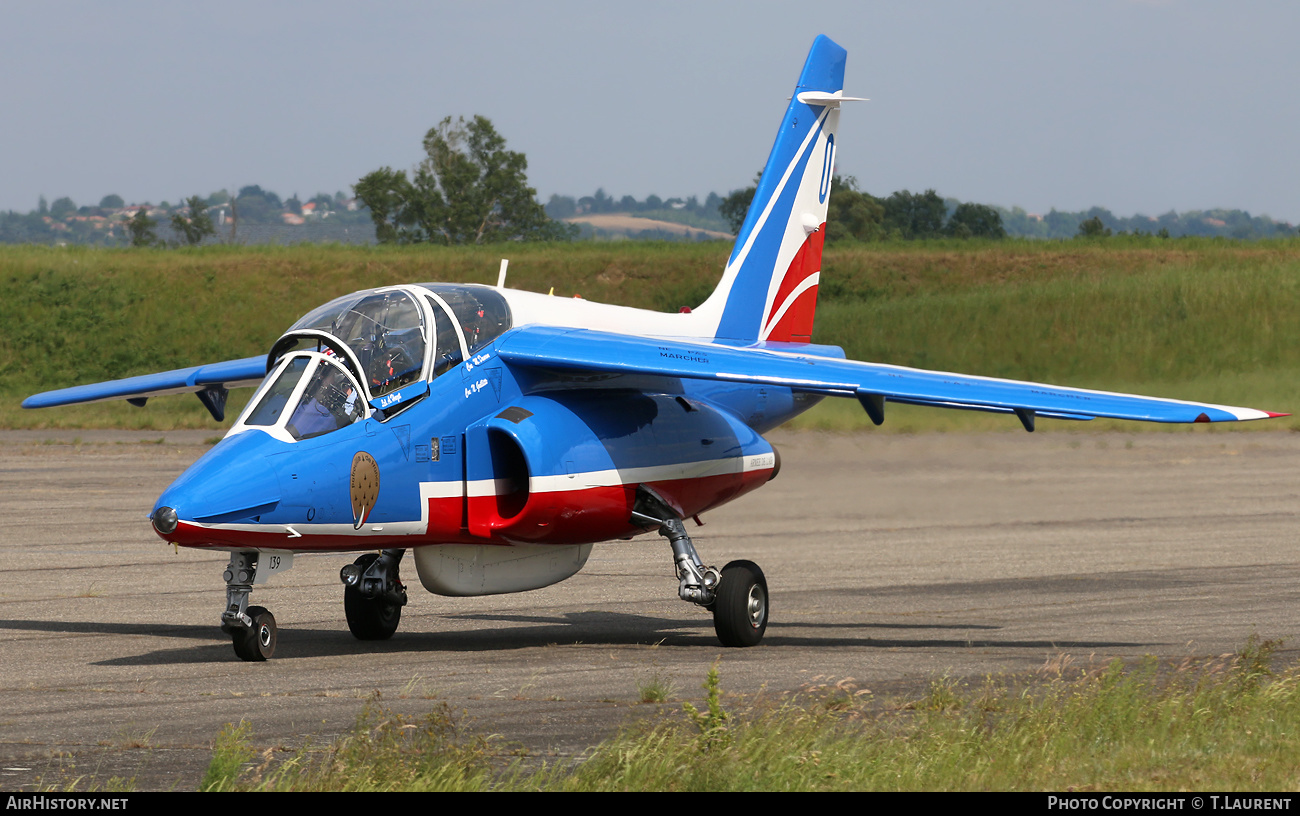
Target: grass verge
1227,723
1190,319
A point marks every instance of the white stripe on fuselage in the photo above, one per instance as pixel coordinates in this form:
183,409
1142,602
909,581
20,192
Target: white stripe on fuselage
480,488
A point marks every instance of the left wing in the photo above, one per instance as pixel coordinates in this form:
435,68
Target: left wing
210,382
805,369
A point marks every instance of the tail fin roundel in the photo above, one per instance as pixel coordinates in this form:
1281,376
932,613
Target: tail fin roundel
769,288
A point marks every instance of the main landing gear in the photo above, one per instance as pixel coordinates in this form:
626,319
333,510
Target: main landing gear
373,595
736,595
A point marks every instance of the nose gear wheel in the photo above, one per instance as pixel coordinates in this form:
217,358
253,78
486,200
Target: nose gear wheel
256,643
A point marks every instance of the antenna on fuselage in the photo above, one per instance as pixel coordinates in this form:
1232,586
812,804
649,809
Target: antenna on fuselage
501,278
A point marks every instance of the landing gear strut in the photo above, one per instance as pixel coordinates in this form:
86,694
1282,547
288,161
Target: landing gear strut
736,595
373,595
251,628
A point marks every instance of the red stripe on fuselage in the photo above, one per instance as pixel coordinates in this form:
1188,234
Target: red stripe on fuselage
601,513
579,516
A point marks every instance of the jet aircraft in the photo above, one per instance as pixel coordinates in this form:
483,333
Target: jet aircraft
499,434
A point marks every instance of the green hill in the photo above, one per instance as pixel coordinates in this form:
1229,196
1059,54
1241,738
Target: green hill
1205,319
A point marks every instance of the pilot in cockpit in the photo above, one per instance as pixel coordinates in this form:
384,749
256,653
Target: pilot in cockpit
329,403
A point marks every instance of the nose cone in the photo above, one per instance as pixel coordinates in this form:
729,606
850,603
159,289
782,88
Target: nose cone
164,520
233,482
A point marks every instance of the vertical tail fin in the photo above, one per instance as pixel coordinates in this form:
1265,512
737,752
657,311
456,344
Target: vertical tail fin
769,288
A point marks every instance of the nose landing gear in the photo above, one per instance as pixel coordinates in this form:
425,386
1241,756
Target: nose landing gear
373,597
251,628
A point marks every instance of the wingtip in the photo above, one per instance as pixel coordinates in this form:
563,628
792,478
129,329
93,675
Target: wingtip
1273,415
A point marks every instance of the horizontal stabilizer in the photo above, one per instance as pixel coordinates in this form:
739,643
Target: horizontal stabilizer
828,99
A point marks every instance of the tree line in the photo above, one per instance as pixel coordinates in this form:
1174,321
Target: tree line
1099,222
857,215
471,188
853,214
250,214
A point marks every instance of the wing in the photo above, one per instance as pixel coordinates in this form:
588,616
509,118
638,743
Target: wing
810,369
210,382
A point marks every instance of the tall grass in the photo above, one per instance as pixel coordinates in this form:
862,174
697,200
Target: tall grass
1227,723
384,752
1222,725
1204,319
1164,323
1219,326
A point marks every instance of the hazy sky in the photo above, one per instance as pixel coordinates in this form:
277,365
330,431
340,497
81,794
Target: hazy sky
1140,107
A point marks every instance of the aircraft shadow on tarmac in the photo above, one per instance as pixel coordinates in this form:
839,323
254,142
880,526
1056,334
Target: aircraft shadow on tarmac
534,631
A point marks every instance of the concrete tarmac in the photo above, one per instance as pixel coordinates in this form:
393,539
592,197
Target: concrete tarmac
891,559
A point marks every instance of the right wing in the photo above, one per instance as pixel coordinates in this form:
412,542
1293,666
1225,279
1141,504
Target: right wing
806,369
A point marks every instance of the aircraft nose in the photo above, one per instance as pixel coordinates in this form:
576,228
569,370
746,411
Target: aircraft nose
228,484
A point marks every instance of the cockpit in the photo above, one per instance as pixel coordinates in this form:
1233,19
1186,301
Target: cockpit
370,353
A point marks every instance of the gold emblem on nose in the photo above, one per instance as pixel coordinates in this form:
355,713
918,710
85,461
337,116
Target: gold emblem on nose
365,487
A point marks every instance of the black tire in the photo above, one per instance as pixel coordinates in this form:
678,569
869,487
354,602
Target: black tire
257,643
369,618
741,609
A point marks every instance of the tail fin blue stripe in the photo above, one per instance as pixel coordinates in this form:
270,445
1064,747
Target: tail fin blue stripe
788,203
758,245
